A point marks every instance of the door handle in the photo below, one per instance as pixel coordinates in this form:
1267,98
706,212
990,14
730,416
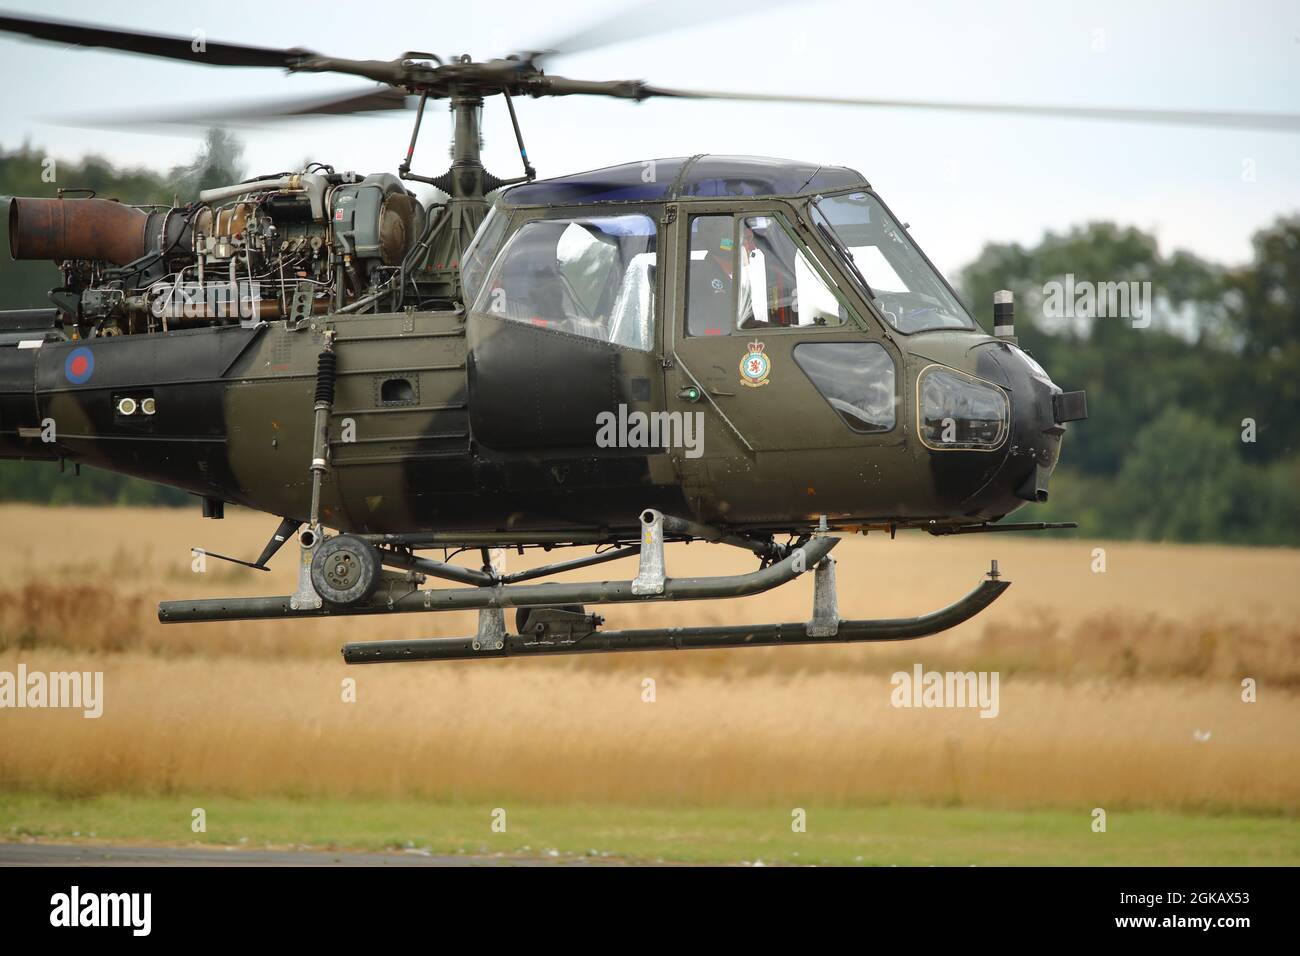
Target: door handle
709,393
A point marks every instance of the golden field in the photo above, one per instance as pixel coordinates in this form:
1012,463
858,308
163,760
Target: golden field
241,728
1119,689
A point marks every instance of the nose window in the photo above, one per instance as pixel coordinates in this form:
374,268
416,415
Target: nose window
959,412
856,378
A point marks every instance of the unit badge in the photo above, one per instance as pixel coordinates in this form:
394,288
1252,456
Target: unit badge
755,366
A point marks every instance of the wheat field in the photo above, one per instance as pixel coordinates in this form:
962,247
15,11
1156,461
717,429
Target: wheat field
241,728
1118,689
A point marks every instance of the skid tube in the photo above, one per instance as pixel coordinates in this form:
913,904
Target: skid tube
510,595
685,638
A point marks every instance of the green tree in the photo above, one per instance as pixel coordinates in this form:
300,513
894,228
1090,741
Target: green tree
1183,480
218,163
1263,310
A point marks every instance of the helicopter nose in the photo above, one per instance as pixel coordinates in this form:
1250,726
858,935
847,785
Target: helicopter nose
1041,411
1051,412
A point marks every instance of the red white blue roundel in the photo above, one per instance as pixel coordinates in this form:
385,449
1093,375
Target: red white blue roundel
79,365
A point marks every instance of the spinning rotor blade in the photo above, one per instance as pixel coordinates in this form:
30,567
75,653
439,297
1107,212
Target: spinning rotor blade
1285,122
645,19
371,100
150,44
197,49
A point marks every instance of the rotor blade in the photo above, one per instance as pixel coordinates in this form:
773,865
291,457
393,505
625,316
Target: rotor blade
192,48
645,19
370,100
198,49
1285,122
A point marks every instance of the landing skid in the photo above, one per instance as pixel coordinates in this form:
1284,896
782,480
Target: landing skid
352,583
683,638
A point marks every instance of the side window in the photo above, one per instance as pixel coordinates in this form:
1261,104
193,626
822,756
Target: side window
751,275
856,378
592,277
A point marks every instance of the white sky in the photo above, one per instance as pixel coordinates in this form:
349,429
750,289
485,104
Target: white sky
959,180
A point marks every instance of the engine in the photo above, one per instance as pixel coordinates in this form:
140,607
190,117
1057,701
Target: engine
284,246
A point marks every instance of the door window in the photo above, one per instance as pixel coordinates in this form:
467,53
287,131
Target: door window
749,274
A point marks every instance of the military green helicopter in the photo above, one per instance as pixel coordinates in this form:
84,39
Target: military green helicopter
742,351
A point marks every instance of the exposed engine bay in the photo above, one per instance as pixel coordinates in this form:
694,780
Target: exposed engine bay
284,246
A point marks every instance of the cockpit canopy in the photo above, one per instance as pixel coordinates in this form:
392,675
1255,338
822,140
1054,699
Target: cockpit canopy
694,177
592,272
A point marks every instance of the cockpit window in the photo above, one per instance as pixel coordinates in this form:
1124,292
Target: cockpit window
591,276
856,378
907,290
749,274
481,251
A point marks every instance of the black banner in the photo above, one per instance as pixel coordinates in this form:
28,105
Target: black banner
125,903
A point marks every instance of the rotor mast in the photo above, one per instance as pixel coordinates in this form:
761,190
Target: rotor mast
466,184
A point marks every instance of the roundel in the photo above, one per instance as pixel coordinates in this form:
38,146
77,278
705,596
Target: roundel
79,365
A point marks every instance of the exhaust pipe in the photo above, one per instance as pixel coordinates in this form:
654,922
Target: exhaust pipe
61,229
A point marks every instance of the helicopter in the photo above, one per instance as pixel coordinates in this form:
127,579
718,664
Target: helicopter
743,351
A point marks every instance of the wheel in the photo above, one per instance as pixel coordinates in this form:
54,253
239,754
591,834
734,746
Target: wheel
522,614
345,570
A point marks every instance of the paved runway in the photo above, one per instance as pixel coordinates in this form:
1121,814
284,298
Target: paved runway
57,854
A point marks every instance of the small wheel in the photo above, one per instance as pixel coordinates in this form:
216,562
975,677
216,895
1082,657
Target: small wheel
345,570
522,614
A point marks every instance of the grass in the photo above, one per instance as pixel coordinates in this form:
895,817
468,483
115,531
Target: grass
871,836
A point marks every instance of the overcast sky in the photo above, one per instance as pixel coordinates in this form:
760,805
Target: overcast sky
960,180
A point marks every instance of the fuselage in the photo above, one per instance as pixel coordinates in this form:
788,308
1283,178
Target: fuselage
519,413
